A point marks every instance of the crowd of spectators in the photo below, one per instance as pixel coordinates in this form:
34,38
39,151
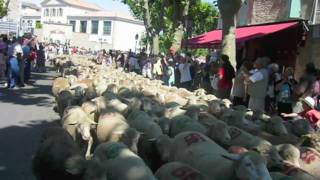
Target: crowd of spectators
18,57
261,85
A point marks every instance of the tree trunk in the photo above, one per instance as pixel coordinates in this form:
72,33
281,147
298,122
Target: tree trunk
147,22
229,38
229,10
156,42
180,25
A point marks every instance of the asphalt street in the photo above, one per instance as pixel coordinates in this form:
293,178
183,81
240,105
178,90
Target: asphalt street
24,114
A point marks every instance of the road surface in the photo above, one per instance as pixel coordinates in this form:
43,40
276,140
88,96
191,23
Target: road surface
24,114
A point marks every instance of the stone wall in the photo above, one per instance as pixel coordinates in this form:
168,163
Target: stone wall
265,11
269,11
309,53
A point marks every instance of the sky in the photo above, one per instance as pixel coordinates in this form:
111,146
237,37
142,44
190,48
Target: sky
111,5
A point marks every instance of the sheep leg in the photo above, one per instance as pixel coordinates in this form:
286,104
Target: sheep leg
88,153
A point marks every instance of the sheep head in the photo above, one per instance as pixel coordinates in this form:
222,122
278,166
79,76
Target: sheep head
219,132
87,170
163,144
130,137
276,126
249,165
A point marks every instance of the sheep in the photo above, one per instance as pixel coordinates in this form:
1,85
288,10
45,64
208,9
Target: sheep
121,163
79,125
103,103
237,118
289,171
275,140
310,161
59,85
179,171
299,127
276,127
185,123
286,153
58,157
311,140
164,124
215,108
112,127
64,99
151,130
201,153
240,137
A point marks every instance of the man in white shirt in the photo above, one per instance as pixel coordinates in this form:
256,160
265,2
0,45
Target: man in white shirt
257,87
185,75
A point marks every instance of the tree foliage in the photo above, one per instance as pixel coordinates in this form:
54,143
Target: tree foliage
172,20
3,8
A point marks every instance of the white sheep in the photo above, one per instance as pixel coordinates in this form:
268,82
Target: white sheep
58,85
201,153
178,171
112,127
121,163
79,126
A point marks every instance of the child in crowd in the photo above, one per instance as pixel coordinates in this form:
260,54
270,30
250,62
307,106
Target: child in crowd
309,113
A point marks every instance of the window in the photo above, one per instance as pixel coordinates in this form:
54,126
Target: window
94,27
54,12
73,23
60,12
46,12
107,27
38,25
83,26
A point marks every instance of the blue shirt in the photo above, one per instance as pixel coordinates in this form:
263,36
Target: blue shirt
14,64
26,51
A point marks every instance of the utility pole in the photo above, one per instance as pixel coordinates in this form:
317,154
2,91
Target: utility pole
315,12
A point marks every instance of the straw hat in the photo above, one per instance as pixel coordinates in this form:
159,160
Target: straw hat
309,101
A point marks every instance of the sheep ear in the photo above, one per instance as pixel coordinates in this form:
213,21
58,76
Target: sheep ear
75,165
74,122
232,157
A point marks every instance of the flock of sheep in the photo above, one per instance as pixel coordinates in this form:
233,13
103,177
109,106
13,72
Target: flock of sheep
122,126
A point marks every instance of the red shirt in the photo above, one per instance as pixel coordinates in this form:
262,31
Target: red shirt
225,82
313,116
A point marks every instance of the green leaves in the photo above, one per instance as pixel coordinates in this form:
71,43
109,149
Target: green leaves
3,8
166,16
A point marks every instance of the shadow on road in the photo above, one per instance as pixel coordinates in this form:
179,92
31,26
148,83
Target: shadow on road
18,144
37,94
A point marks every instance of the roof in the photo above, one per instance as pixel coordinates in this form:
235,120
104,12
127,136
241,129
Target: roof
242,34
108,14
32,14
79,3
31,5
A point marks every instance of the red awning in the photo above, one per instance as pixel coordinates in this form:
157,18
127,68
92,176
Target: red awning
242,34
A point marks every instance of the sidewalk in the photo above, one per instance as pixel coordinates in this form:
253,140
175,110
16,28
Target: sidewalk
24,114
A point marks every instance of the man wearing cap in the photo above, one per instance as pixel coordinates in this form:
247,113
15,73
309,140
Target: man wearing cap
309,113
257,87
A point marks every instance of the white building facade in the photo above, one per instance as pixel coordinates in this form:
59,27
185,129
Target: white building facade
83,24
